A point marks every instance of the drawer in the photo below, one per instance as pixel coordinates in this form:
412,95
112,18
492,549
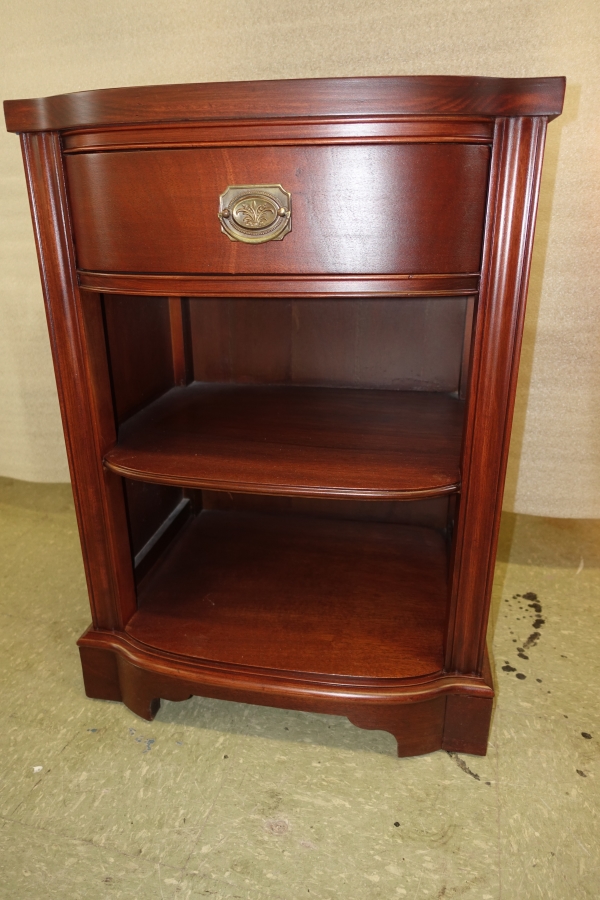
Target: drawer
387,209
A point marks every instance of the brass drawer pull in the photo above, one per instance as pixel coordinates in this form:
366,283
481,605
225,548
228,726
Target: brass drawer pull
255,213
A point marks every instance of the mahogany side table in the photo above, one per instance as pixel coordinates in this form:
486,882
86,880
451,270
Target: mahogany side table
285,320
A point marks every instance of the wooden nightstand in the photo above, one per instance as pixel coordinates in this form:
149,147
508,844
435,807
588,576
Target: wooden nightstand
286,320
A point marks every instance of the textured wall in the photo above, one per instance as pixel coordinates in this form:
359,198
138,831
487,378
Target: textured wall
53,47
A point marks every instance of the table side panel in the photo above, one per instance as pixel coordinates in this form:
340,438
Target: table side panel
516,171
83,388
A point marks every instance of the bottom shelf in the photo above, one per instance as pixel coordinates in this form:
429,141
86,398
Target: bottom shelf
341,599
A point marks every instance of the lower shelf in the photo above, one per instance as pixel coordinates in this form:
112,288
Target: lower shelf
312,614
300,594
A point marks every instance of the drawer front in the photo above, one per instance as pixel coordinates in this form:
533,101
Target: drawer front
402,208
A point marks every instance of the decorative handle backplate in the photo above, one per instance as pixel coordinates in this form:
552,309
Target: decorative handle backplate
255,213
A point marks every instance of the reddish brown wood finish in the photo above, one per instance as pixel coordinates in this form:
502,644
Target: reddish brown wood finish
148,505
358,209
431,512
296,441
276,592
140,351
281,286
420,714
79,361
181,345
513,195
266,597
467,722
293,132
412,344
428,95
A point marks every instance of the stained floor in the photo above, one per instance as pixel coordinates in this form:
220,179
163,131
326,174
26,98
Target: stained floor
223,800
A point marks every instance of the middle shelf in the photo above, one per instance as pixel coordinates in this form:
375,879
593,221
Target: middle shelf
297,441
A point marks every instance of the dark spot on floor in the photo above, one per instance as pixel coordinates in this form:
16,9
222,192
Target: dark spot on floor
93,730
508,668
521,655
225,757
462,764
531,640
520,676
579,772
396,824
529,596
538,623
587,736
539,680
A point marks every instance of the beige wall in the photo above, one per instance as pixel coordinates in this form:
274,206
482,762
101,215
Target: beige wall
51,47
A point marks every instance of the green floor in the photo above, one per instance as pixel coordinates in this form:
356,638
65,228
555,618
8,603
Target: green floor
223,800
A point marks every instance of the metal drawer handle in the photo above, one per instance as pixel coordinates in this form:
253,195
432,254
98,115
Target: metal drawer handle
255,213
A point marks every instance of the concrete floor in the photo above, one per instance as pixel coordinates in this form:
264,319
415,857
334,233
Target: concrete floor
223,800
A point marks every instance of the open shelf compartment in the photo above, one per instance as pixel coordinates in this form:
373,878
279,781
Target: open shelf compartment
354,599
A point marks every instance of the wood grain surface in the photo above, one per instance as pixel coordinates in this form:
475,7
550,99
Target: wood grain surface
407,208
78,353
441,711
327,442
139,347
293,132
278,286
354,599
514,191
404,95
403,344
